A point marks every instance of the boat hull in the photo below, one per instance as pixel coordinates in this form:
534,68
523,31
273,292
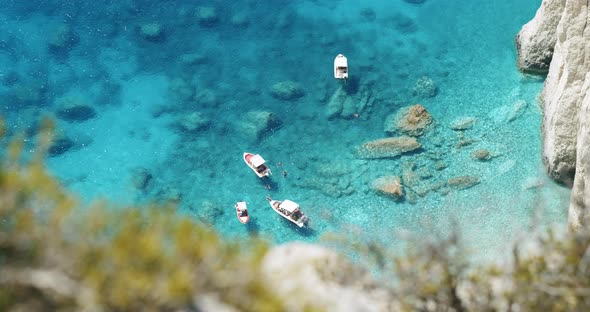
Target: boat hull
243,219
340,67
261,175
274,203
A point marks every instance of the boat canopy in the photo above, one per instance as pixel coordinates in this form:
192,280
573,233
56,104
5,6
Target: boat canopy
341,61
257,160
241,206
288,205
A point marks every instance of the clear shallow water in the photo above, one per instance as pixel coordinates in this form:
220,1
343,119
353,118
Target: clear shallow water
141,87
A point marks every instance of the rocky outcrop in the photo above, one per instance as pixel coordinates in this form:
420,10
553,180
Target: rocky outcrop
566,116
287,90
256,124
344,105
425,88
388,147
536,39
390,186
412,120
306,275
563,92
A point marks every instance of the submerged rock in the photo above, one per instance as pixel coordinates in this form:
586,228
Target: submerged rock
412,120
207,16
193,122
425,88
518,110
152,31
463,182
206,98
74,108
404,23
60,145
256,124
287,90
140,178
463,123
481,155
390,186
194,58
63,143
62,38
345,105
388,147
240,19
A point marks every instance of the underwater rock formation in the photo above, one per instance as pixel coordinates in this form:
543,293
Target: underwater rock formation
152,32
287,90
74,108
62,39
344,105
207,16
390,186
388,147
240,19
463,182
63,143
425,88
193,122
256,124
536,39
140,178
321,278
412,120
481,155
463,123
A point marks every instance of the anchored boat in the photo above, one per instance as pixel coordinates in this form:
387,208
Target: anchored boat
256,163
340,67
242,212
289,210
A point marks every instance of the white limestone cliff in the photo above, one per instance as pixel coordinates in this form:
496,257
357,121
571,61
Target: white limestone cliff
565,98
536,40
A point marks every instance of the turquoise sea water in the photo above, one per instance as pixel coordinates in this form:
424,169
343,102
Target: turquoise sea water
180,90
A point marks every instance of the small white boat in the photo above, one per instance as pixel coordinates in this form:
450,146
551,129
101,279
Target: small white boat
340,67
289,210
242,212
256,163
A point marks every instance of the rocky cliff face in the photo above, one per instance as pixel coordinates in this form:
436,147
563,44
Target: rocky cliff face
536,40
565,99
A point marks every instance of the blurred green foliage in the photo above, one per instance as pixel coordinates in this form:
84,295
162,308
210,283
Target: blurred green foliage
58,256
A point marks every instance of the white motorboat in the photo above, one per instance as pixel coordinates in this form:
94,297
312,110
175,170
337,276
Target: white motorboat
256,163
289,210
242,212
340,67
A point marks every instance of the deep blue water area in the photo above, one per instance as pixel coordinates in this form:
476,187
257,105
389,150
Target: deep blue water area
157,101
